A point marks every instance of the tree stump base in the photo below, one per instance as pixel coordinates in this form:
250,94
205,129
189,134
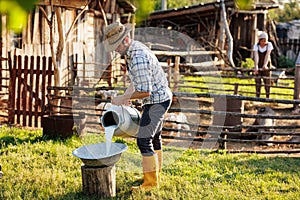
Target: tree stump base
99,182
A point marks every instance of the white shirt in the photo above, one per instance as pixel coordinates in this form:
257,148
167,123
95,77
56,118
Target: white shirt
257,47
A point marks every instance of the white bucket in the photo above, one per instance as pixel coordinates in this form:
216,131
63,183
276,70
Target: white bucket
126,118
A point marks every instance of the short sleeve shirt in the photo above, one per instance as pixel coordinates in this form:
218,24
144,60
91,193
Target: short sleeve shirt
146,73
263,49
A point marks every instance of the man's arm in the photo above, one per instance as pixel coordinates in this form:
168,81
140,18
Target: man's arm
129,94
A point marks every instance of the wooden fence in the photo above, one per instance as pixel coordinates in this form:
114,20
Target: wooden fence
30,90
207,123
29,77
292,45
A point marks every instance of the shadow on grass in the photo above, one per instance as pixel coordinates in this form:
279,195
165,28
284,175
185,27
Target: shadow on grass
16,139
266,164
279,164
84,196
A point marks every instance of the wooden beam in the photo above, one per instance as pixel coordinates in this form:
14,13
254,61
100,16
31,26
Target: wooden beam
297,82
64,3
202,8
163,15
176,73
186,53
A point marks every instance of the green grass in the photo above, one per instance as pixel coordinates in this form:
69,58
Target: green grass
39,168
221,85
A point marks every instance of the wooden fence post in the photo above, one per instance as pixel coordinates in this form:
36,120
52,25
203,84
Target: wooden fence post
176,73
169,71
12,62
297,82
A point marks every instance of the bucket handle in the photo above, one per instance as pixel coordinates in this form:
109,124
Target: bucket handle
123,118
123,113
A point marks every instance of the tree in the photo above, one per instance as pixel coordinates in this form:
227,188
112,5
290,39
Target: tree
178,3
290,11
17,12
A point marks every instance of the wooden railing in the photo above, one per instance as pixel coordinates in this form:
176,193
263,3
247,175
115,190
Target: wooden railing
29,77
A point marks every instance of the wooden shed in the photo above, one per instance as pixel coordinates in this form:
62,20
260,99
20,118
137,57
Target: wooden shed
62,45
71,31
203,23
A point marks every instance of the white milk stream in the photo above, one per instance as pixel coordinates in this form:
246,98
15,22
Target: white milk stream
109,133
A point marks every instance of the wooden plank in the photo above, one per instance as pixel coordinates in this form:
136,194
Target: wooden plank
24,91
36,96
64,3
186,53
49,80
106,7
1,65
46,33
31,78
44,73
183,12
12,89
50,71
176,73
297,82
112,6
169,71
18,90
27,31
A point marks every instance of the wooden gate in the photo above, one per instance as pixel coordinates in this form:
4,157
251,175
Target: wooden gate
29,77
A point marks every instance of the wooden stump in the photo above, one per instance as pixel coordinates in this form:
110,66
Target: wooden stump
99,182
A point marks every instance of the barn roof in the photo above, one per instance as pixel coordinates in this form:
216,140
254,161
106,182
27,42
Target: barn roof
79,4
190,13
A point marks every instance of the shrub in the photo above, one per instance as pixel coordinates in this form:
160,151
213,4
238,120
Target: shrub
285,62
247,64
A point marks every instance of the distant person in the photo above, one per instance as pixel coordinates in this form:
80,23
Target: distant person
262,63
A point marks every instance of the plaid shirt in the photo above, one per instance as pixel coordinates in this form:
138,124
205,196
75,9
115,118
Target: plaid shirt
146,74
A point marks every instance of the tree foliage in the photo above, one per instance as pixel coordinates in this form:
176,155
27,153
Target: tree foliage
178,3
290,11
143,9
17,12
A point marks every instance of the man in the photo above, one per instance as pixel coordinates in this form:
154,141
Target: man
262,63
148,82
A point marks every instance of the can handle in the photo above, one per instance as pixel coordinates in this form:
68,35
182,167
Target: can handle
123,118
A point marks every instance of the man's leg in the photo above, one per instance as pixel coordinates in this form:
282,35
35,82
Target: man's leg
149,139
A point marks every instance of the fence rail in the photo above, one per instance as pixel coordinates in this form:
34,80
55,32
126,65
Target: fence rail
289,45
30,77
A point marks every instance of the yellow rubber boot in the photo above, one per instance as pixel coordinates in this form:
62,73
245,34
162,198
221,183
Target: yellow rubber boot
150,171
160,162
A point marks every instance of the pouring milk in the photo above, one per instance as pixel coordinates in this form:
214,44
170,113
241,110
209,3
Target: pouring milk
109,133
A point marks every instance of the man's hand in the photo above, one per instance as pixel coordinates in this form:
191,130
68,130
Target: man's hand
121,100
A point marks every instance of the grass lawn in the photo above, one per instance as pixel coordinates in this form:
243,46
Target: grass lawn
223,85
39,168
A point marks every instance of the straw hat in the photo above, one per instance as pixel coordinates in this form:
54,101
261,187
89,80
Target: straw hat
263,35
114,35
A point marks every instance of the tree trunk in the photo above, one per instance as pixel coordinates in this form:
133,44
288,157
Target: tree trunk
228,34
99,182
